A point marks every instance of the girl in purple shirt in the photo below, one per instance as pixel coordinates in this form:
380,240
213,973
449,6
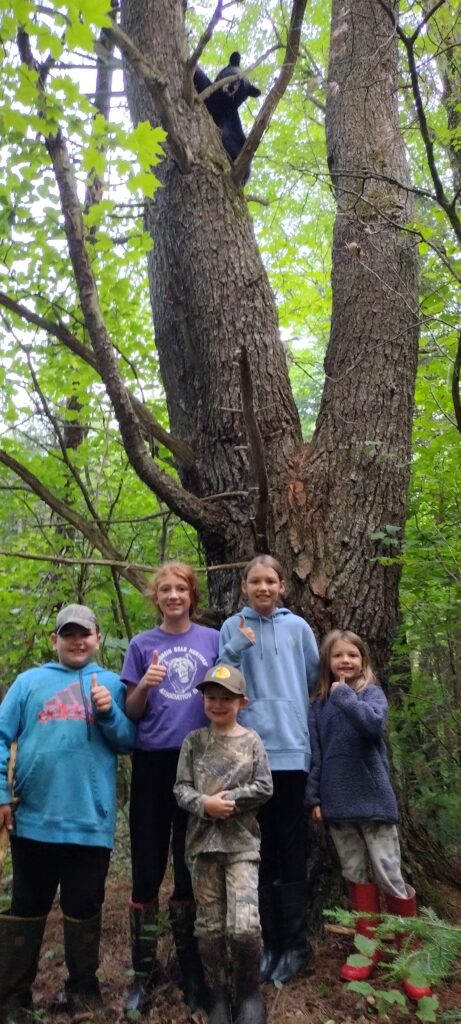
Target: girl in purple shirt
161,669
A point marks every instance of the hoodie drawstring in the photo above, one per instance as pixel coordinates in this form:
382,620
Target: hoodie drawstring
85,706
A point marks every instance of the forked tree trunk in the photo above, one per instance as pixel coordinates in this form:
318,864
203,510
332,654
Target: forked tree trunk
210,296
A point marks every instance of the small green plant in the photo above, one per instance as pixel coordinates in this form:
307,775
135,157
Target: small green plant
421,949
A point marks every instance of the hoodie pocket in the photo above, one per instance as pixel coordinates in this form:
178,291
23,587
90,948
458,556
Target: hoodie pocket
63,787
279,723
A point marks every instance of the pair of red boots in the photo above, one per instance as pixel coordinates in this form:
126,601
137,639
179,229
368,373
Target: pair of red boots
365,898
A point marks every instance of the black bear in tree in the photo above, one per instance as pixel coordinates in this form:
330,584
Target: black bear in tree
224,103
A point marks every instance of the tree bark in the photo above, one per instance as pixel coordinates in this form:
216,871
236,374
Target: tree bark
211,296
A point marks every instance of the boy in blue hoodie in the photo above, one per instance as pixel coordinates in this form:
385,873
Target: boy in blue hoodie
69,723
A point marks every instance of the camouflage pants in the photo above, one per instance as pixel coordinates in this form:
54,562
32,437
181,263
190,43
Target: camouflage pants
370,851
226,895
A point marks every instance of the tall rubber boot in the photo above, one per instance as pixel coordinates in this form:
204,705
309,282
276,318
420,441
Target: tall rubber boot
407,908
249,1005
144,936
182,920
20,944
81,953
271,931
365,897
213,953
296,955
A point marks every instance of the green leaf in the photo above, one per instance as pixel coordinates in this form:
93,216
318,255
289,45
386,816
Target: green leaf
364,944
357,960
362,987
427,1008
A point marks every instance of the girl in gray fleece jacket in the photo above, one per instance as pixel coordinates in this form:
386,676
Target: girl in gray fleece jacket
349,787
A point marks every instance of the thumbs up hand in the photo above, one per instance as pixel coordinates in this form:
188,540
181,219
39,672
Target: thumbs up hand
155,673
247,631
100,695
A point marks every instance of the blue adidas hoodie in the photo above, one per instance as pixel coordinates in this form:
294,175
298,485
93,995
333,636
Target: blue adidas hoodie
65,774
280,670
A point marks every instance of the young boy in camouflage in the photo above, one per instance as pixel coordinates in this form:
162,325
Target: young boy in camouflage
223,777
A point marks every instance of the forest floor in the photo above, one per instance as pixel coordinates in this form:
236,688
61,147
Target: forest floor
319,998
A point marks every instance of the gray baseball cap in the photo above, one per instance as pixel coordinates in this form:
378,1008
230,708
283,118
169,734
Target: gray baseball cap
226,676
76,615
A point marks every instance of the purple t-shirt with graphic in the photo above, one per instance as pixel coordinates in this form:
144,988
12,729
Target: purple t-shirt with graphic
174,707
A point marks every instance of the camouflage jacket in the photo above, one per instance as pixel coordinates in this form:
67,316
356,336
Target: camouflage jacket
208,763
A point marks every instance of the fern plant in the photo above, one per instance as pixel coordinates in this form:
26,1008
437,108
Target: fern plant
423,949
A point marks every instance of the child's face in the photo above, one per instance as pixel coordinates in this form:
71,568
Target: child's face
222,706
262,589
173,597
75,646
345,661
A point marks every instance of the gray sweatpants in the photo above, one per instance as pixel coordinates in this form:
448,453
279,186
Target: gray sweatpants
370,851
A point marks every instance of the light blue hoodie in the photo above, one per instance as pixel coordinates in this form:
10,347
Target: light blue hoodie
65,775
280,670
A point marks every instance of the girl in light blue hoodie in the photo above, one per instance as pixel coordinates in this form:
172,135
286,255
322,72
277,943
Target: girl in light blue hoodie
277,654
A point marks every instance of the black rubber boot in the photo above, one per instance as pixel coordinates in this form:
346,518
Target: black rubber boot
182,920
81,953
271,931
249,1005
213,953
144,935
20,944
296,956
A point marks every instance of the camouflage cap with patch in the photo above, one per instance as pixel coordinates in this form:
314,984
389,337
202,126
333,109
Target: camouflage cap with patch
226,676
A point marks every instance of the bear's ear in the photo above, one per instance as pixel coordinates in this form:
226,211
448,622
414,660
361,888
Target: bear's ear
201,80
254,91
235,59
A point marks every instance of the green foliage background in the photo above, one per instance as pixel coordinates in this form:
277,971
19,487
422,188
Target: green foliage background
46,390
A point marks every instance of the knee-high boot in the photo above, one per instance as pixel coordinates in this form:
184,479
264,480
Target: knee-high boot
245,958
271,931
20,944
296,955
213,953
182,920
364,897
407,908
144,934
81,953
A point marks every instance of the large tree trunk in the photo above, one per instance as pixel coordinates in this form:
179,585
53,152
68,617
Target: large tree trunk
356,471
211,296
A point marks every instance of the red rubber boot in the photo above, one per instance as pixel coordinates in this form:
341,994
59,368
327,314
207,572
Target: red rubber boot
407,908
364,897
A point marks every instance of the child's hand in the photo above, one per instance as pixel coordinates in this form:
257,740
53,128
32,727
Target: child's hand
100,695
217,806
316,814
338,682
247,631
6,816
155,673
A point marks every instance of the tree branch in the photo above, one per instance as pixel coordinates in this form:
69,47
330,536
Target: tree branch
89,530
116,564
409,44
152,429
257,451
455,390
273,98
186,505
157,86
205,37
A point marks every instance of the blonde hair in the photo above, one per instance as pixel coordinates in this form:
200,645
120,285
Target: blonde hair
268,560
185,572
326,678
